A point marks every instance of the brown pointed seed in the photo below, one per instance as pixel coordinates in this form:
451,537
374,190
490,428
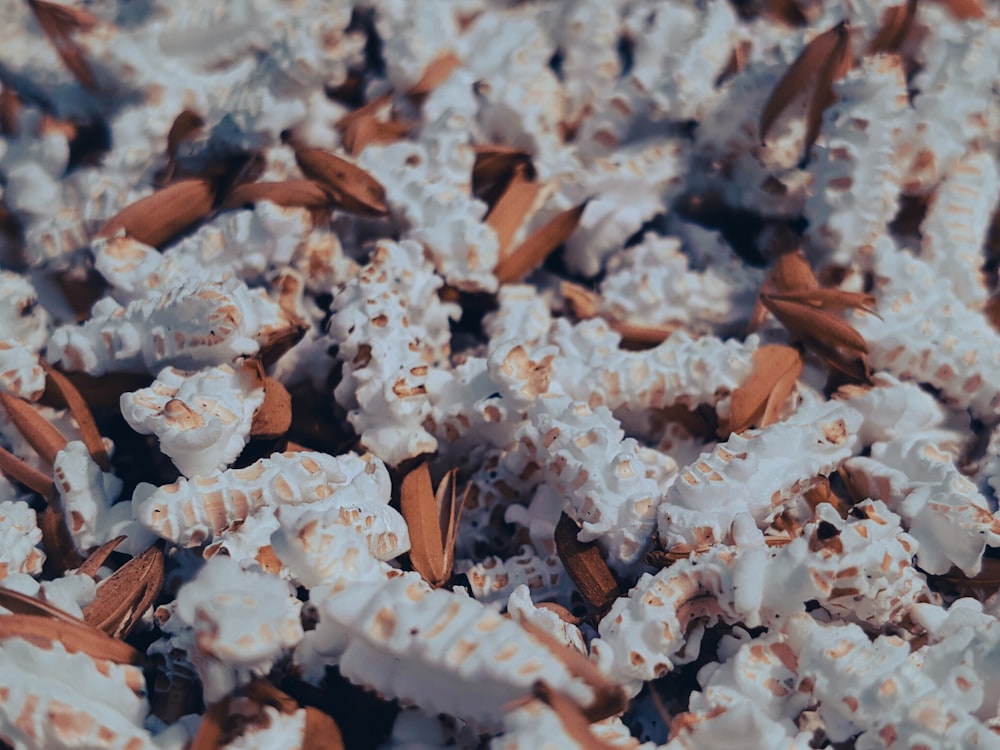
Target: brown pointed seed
833,300
209,734
101,392
507,214
821,59
264,693
789,11
640,336
538,246
307,194
22,604
30,477
159,218
496,163
10,111
371,123
274,417
61,554
75,636
609,698
896,24
81,413
585,565
59,22
123,598
423,518
352,188
571,717
186,125
99,556
45,439
436,73
965,9
757,400
321,732
803,320
449,515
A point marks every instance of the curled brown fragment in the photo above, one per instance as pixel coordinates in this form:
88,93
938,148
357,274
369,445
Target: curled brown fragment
22,604
60,549
75,635
756,402
896,24
45,439
642,336
825,59
273,417
806,321
185,126
585,565
10,112
435,73
30,477
508,213
570,716
307,194
160,217
123,598
351,187
538,246
81,413
432,518
99,556
495,164
58,22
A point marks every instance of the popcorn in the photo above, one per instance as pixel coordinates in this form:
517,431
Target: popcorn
202,419
20,538
88,497
494,579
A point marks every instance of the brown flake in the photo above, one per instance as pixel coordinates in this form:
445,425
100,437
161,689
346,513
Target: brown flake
757,401
160,217
436,73
897,22
68,393
538,246
964,9
321,732
307,194
432,519
508,213
75,635
59,22
19,471
585,565
45,439
123,598
351,187
10,111
185,126
96,559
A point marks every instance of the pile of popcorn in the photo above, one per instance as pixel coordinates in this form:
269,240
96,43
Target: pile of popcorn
270,272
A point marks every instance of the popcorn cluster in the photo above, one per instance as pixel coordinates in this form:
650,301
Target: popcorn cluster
442,362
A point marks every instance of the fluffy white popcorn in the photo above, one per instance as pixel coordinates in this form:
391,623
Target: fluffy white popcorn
439,650
756,472
387,346
859,569
55,699
494,579
957,222
521,608
535,726
21,374
88,497
22,319
192,512
855,181
191,324
892,409
201,418
927,334
942,509
19,537
242,622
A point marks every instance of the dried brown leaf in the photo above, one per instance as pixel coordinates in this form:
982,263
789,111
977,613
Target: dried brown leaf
610,698
435,73
123,598
352,188
45,439
820,61
896,24
507,214
423,518
81,413
538,245
75,636
756,402
307,194
99,556
571,717
805,321
585,564
27,475
168,212
321,732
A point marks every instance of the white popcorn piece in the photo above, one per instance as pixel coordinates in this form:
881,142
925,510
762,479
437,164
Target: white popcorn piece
19,539
21,374
55,699
193,324
942,509
202,419
535,726
756,472
22,319
855,181
892,409
390,327
521,608
859,569
192,512
275,729
957,222
242,623
927,334
439,650
494,579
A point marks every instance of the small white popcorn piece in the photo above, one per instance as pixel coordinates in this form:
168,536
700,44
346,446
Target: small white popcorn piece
21,374
190,325
494,579
927,334
192,512
942,509
54,699
202,419
756,472
891,409
88,497
522,609
535,726
19,537
242,623
443,651
855,182
21,317
390,327
859,569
